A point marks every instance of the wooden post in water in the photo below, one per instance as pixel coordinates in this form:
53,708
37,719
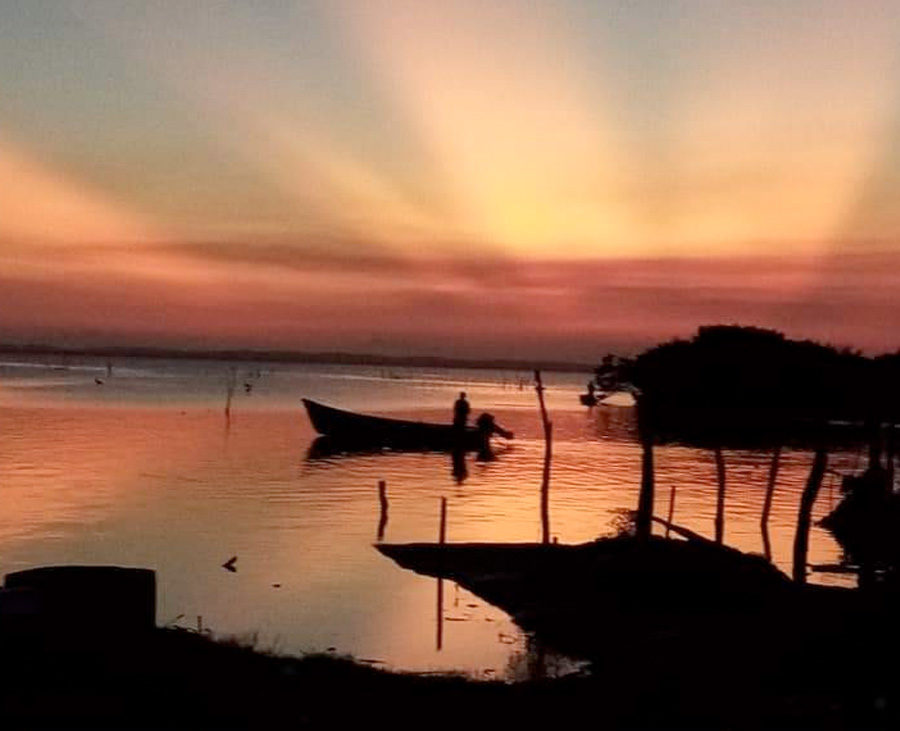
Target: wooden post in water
804,516
548,453
383,501
442,538
720,496
644,518
545,484
671,509
767,503
230,385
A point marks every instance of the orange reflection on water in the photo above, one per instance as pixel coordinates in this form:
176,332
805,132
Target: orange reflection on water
179,488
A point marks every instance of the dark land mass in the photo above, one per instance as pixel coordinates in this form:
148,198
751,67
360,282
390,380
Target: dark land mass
178,679
676,634
751,387
296,356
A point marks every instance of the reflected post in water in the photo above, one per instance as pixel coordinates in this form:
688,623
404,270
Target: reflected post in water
383,503
767,504
804,516
458,467
720,495
442,537
548,454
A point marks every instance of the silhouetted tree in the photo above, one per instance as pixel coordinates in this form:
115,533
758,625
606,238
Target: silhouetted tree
731,383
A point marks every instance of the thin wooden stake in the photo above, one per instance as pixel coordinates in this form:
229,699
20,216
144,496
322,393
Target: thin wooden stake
767,504
548,455
230,385
671,509
804,516
720,496
644,519
545,485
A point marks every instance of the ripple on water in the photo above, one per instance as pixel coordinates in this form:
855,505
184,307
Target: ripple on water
148,472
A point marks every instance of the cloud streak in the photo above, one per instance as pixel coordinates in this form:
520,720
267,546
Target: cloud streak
574,309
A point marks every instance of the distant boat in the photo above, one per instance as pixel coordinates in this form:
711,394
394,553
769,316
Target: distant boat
362,430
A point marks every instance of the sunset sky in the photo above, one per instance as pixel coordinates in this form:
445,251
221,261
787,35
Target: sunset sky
514,179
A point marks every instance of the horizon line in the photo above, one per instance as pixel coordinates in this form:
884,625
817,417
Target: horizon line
296,356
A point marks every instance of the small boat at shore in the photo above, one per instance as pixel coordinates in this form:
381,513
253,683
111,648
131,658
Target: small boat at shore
362,430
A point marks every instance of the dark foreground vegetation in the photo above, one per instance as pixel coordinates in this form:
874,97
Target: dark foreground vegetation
176,679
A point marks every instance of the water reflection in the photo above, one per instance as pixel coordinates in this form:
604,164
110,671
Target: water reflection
141,472
458,468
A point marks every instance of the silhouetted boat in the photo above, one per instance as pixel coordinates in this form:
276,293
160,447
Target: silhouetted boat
363,430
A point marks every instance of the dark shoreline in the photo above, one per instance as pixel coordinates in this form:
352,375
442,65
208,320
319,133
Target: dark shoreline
295,356
173,678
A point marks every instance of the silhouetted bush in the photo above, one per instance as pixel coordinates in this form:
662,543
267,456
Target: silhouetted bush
747,384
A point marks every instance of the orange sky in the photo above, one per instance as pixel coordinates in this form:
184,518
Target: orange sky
460,178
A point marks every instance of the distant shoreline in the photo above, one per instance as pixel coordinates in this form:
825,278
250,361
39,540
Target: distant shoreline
293,356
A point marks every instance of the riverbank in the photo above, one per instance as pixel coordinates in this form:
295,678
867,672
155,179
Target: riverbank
172,678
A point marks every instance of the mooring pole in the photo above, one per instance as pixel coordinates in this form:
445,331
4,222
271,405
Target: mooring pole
545,485
548,453
767,503
643,520
671,509
720,496
804,516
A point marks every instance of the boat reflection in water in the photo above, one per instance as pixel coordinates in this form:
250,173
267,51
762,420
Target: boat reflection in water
326,448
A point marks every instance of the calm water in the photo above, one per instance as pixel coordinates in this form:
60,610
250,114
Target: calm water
144,470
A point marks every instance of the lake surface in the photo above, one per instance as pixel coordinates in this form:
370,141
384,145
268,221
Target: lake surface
144,469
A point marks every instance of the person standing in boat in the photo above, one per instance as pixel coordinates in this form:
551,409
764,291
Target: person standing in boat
461,411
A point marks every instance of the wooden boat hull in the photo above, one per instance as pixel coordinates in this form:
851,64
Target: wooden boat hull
360,431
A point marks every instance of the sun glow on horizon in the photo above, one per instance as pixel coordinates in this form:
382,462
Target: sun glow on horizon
268,153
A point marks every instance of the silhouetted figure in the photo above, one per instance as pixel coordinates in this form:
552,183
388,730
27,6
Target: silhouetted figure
487,426
588,399
461,411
